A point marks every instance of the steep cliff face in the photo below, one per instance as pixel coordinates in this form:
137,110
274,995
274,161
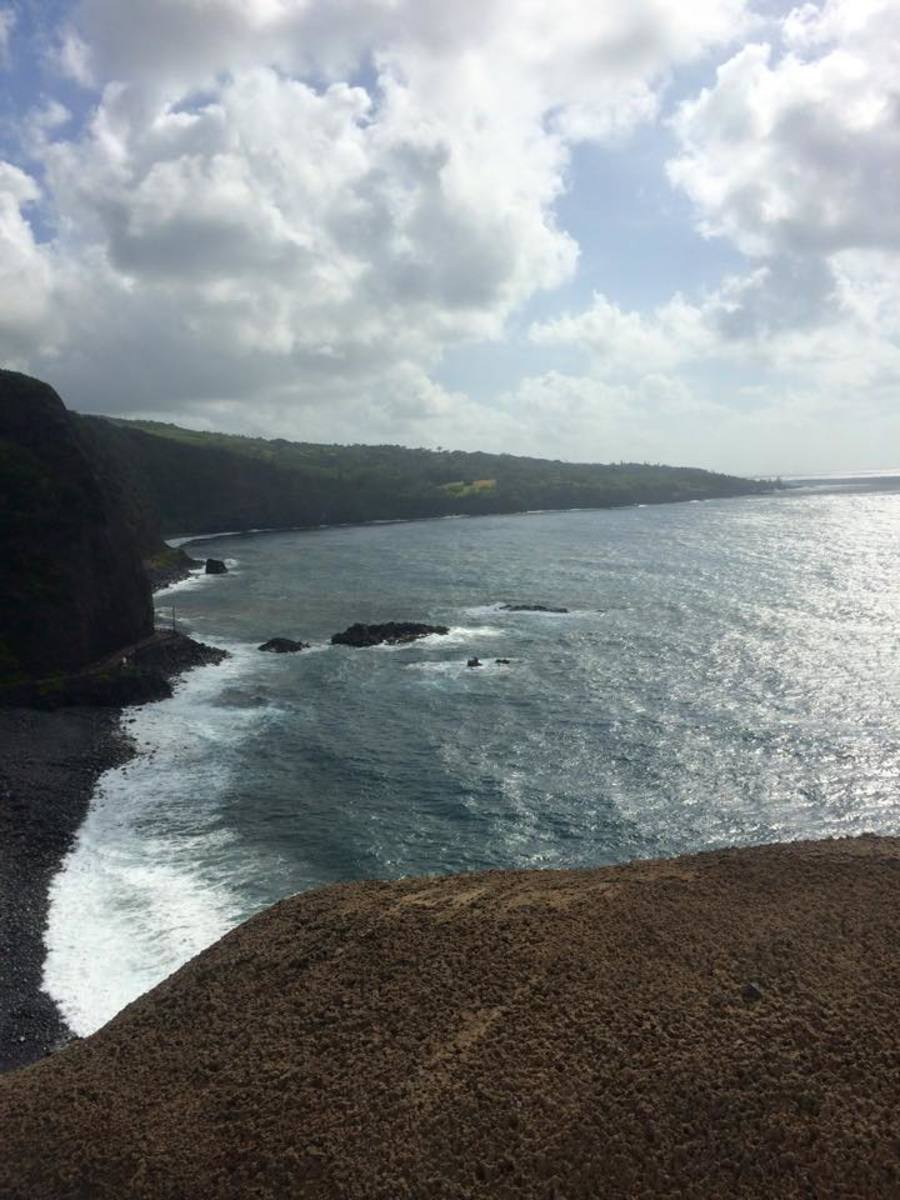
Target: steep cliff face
72,587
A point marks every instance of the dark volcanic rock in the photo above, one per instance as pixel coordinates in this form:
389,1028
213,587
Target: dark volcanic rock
72,587
475,661
215,566
282,645
392,632
172,653
140,675
169,566
531,608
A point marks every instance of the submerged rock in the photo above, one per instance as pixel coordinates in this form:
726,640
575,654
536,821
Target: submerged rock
392,633
215,566
544,608
474,661
282,645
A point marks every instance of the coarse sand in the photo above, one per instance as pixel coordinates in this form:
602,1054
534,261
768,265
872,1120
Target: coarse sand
724,1025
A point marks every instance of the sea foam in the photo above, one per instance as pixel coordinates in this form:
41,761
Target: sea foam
145,886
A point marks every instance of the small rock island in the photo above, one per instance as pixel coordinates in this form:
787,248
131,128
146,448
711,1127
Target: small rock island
283,645
392,633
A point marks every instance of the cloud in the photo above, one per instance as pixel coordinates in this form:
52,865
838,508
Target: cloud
7,27
300,202
801,155
278,215
792,155
26,272
622,343
795,158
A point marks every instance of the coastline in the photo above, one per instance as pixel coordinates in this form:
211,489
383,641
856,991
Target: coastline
162,580
52,760
50,767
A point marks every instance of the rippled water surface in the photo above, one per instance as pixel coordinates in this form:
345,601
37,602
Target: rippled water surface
729,672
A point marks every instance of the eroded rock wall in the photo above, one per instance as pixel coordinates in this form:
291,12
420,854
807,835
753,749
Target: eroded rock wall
72,586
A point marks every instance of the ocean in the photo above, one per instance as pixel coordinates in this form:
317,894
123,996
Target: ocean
728,673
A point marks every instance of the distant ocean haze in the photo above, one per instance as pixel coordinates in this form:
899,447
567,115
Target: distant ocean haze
727,674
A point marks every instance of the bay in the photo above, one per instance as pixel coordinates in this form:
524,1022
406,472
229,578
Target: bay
728,673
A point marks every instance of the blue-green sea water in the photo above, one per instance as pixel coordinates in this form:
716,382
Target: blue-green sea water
728,673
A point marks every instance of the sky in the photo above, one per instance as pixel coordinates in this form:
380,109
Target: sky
632,230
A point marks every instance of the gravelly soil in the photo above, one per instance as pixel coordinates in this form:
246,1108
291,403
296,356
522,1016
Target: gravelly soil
717,1026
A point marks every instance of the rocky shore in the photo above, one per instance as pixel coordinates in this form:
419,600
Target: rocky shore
52,757
50,764
709,1026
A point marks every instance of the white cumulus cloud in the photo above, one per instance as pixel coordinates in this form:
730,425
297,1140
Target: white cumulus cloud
304,203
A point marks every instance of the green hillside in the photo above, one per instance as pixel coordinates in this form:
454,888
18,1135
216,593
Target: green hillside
212,482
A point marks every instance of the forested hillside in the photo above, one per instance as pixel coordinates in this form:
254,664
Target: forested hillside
208,482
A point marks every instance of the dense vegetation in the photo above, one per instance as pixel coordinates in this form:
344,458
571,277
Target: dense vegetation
212,482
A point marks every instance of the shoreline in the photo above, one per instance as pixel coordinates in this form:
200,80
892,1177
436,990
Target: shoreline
51,764
178,541
52,761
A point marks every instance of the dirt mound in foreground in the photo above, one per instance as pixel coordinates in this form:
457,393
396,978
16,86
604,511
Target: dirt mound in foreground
722,1025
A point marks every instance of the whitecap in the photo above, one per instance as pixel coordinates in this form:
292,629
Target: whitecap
459,635
196,577
145,887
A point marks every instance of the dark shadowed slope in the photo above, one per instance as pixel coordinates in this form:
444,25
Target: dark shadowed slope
722,1025
72,587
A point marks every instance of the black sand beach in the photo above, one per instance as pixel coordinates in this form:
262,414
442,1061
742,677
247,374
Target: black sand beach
49,764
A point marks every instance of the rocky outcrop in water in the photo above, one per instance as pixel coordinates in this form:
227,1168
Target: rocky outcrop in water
283,645
392,633
538,608
215,566
72,586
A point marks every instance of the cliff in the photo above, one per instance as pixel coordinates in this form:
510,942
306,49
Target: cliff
72,586
720,1025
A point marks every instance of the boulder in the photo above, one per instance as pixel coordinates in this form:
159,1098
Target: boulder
544,608
474,661
215,566
282,645
392,632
